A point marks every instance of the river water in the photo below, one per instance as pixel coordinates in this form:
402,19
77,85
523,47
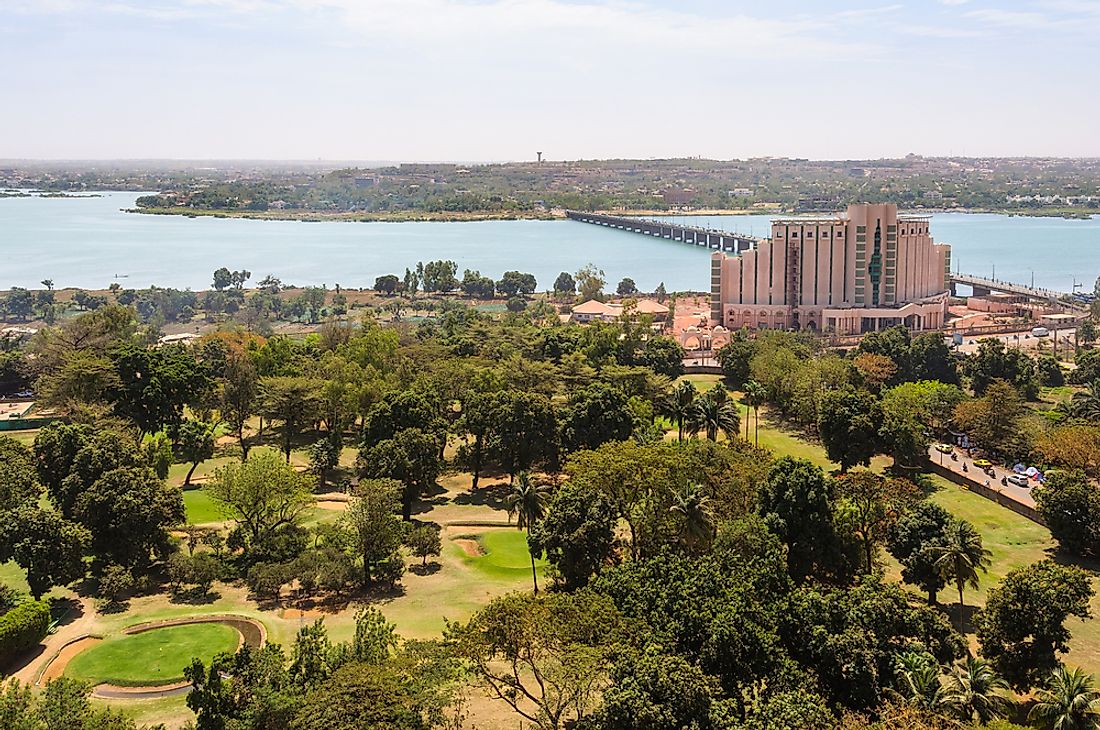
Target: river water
88,242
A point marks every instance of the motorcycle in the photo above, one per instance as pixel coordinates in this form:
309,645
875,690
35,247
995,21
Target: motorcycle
964,467
954,457
1004,481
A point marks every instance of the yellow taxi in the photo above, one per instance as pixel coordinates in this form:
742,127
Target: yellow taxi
943,448
983,463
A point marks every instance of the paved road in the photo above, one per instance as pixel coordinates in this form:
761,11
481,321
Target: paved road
1022,339
976,475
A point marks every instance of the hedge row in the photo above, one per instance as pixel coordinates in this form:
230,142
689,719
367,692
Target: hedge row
22,628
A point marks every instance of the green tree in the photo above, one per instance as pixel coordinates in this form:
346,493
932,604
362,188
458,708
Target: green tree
372,522
735,356
195,443
577,535
918,679
238,395
993,361
525,434
157,383
291,400
361,696
961,557
714,413
263,494
848,423
871,504
680,405
565,284
527,502
756,395
994,420
545,657
590,282
439,276
324,456
1070,507
1070,701
128,512
424,541
1022,627
796,502
412,457
596,415
515,283
912,413
44,544
913,540
387,284
695,517
974,691
626,287
18,478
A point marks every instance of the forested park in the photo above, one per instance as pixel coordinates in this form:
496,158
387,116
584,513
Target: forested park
489,516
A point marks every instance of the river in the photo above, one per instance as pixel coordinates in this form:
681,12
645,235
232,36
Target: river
88,242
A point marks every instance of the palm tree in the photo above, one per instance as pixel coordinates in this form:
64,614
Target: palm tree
1086,403
975,689
960,557
713,413
693,507
918,680
1069,702
527,502
680,405
755,395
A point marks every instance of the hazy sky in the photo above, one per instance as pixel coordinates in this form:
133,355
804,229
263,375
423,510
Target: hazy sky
500,79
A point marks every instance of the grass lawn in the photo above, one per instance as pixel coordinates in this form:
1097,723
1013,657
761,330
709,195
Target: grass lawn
200,508
505,554
152,657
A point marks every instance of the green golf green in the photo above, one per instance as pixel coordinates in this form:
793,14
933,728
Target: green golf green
505,554
152,657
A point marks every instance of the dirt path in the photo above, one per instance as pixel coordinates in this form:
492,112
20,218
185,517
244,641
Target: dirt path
57,667
80,626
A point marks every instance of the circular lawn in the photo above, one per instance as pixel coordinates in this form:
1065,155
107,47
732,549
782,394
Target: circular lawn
152,657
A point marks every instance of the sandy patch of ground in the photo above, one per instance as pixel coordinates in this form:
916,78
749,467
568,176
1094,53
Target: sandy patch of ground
470,547
334,505
57,667
297,613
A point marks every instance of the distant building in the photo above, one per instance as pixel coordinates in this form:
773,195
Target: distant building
849,273
594,311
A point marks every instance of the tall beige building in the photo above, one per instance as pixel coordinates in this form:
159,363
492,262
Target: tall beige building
855,272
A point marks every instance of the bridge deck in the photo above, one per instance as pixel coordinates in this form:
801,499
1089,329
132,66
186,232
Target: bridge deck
697,235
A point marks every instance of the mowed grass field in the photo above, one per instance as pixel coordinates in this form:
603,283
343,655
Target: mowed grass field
153,657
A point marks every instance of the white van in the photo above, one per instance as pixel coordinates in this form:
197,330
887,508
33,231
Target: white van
1039,332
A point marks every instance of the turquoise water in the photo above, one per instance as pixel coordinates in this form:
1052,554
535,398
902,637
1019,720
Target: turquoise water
87,242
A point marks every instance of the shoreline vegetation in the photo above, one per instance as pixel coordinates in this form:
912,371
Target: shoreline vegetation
411,216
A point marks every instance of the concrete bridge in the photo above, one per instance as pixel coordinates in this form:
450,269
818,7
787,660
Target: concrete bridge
983,286
709,237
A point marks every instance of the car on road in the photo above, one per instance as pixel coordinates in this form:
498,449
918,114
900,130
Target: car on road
1019,480
983,463
943,448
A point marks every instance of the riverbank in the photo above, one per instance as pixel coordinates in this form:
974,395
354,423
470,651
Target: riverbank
555,214
321,217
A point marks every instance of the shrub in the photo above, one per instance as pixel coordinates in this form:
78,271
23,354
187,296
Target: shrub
22,628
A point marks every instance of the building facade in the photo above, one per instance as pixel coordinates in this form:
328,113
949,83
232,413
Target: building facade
849,273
